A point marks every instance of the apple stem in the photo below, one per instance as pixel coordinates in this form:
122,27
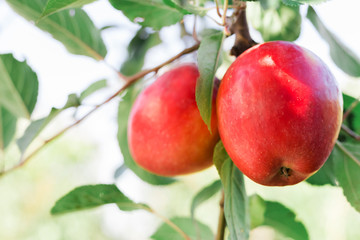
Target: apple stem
222,221
237,24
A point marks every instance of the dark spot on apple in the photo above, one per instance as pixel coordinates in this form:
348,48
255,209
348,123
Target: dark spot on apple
285,171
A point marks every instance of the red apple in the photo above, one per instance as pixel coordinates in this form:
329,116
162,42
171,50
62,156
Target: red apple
279,113
166,133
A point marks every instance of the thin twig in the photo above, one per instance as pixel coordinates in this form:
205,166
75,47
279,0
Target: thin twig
350,108
129,82
170,223
350,132
217,8
226,4
222,222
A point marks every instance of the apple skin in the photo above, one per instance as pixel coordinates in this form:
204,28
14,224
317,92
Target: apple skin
166,133
279,113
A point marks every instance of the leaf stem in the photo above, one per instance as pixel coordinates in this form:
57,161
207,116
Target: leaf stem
347,152
129,81
169,222
222,222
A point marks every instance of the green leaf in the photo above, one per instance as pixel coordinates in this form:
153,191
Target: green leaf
209,54
236,207
54,6
194,229
92,89
72,28
123,115
275,21
91,196
137,49
325,175
342,56
7,127
204,195
347,170
277,216
284,221
19,86
148,13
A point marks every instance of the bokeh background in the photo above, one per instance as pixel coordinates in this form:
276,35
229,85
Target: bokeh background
89,153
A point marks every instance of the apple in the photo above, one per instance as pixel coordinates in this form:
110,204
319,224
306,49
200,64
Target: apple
279,113
166,133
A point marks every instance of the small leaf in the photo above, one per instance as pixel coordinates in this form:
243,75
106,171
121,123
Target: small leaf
123,115
209,60
19,86
137,49
347,170
73,28
195,230
148,13
7,127
342,56
277,21
92,89
91,196
236,202
204,195
325,175
54,6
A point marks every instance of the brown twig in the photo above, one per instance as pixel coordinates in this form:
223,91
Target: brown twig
350,132
222,222
237,24
129,82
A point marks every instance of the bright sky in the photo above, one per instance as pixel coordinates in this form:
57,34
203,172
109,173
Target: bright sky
61,73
